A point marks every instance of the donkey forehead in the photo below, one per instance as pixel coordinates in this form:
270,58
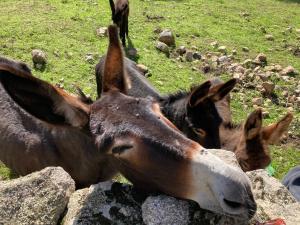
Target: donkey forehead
116,109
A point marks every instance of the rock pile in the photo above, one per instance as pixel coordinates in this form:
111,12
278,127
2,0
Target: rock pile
41,198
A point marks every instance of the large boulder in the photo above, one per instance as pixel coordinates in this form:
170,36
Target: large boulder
39,198
273,199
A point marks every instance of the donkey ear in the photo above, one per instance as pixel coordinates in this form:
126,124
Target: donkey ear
253,125
273,133
219,91
199,94
41,99
114,77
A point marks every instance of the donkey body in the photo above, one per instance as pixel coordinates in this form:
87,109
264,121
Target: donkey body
109,136
120,13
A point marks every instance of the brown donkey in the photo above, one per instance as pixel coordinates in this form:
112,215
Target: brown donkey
119,15
249,141
42,125
194,112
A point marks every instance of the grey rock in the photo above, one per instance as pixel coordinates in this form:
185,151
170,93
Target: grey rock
245,49
222,49
214,44
189,56
261,59
181,50
38,57
257,101
165,210
223,59
162,47
38,198
269,37
273,199
167,37
144,69
132,52
104,203
90,58
288,71
197,55
234,52
102,32
248,63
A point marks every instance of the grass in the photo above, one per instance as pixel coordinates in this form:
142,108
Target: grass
66,31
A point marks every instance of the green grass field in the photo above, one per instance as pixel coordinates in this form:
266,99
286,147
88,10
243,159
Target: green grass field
66,31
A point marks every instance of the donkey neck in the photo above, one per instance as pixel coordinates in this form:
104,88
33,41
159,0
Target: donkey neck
174,108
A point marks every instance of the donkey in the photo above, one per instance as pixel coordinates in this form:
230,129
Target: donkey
42,125
193,112
119,15
249,141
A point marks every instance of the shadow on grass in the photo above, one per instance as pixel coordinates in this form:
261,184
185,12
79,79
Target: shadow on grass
131,51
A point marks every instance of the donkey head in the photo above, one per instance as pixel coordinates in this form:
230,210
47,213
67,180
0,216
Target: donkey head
150,152
252,150
202,115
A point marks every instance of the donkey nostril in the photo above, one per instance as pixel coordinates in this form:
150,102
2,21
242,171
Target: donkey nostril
233,205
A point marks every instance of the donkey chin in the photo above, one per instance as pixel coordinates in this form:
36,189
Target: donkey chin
225,189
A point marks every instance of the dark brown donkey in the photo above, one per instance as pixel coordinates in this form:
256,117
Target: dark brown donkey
193,112
249,141
119,15
44,126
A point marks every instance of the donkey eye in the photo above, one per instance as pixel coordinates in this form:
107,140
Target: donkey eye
120,149
200,132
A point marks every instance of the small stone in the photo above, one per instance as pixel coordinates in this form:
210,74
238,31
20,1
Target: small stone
289,71
194,68
132,52
102,32
245,49
234,52
167,37
222,49
197,55
223,59
69,55
162,47
269,37
261,59
298,31
206,68
189,56
268,87
89,58
38,57
144,69
214,44
257,101
181,50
